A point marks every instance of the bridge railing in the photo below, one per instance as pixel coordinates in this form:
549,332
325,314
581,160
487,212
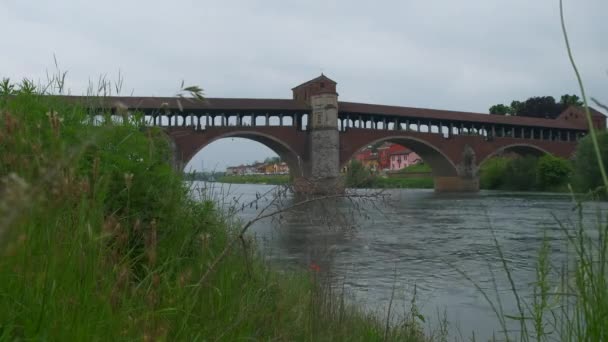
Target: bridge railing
448,129
201,122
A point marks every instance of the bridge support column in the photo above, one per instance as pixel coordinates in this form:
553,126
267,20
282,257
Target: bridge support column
466,179
324,147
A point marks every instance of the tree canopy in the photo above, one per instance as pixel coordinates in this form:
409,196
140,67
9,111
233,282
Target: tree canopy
272,160
587,171
537,107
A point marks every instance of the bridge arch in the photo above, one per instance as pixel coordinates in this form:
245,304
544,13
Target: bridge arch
518,148
188,143
441,165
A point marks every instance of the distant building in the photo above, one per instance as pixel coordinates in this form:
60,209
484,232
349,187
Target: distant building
258,168
232,170
282,168
387,156
402,159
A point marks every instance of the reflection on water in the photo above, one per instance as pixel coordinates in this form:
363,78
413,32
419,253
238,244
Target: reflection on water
417,237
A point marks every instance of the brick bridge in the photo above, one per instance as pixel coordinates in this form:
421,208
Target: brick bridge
316,134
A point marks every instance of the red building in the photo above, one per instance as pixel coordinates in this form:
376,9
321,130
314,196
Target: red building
384,154
380,159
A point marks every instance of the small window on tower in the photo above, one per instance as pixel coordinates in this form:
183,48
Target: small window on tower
322,84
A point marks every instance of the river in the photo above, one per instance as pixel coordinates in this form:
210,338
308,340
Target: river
416,238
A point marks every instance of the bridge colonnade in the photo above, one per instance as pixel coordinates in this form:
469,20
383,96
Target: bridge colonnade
317,135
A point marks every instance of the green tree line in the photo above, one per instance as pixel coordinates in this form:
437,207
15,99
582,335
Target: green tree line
538,106
547,173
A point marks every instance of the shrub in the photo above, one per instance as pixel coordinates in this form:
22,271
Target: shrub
493,173
520,174
587,174
358,176
552,171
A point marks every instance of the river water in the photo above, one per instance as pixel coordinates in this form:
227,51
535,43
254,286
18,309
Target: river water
416,239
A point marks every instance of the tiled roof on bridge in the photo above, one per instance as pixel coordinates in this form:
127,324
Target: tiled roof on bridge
189,104
448,115
287,105
321,78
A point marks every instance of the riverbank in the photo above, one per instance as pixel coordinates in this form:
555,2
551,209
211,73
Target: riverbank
254,179
100,239
376,182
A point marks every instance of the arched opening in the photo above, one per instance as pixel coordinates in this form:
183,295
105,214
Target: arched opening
398,162
287,120
514,151
245,154
304,122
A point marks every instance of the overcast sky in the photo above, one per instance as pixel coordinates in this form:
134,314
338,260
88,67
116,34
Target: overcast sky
446,54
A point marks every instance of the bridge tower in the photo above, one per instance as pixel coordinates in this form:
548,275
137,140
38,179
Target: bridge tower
322,174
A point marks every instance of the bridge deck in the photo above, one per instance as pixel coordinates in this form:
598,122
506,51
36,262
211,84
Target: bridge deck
245,106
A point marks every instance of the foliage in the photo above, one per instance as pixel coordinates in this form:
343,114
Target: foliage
500,109
272,160
416,168
521,174
516,107
538,106
255,179
7,88
570,100
552,171
547,173
587,174
357,175
493,173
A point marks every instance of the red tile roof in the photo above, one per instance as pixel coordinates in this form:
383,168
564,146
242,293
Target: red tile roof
345,108
447,115
318,79
217,104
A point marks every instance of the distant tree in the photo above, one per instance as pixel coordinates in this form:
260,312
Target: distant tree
500,109
552,171
357,175
272,160
587,173
537,107
516,107
570,100
493,173
521,174
541,107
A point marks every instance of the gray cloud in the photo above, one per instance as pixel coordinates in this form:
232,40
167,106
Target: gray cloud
461,55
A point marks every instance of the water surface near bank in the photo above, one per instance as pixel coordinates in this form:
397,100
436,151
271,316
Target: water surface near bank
417,237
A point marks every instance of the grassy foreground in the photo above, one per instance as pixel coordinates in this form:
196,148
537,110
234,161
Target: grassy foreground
100,240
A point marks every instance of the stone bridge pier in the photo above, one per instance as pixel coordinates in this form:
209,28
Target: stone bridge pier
322,172
466,178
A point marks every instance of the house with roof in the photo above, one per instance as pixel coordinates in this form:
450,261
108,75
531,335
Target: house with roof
402,159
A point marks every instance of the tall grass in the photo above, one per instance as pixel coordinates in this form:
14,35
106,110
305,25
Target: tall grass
570,300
